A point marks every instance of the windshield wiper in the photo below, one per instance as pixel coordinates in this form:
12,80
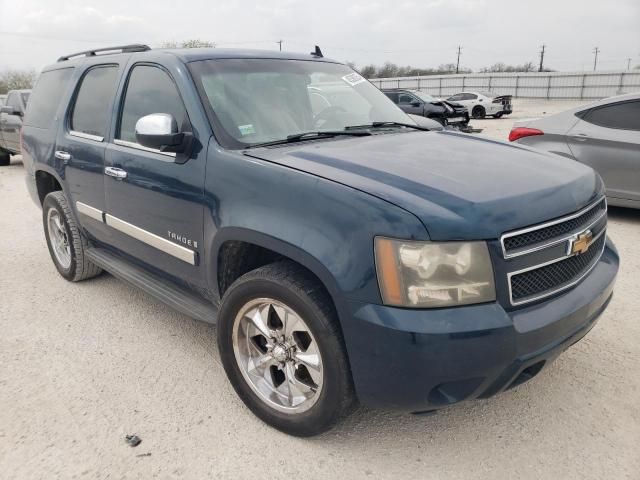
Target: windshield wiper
299,137
386,124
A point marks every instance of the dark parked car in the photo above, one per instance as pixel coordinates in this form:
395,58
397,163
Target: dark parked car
11,114
347,254
416,102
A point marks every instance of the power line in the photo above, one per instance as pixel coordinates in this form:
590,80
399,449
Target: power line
458,61
541,57
595,58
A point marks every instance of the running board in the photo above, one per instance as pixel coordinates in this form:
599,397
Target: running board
177,298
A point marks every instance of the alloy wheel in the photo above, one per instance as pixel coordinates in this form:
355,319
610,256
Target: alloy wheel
278,355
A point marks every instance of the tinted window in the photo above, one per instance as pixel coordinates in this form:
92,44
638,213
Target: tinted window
624,116
469,96
393,96
150,90
406,98
46,95
457,96
91,111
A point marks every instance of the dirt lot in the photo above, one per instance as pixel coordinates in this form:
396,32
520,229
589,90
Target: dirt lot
82,365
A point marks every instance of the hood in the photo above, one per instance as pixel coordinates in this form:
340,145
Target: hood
460,186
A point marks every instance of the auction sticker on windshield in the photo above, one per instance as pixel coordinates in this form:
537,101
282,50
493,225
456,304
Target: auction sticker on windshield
353,79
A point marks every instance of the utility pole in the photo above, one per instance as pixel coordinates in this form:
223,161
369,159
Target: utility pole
458,62
279,42
628,64
541,57
595,59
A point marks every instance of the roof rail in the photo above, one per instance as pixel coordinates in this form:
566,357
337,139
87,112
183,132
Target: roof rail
136,47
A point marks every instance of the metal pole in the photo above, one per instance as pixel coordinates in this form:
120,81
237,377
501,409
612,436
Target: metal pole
458,62
548,87
541,57
595,59
440,86
517,81
584,77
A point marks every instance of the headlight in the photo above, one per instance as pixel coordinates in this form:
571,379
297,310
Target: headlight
431,274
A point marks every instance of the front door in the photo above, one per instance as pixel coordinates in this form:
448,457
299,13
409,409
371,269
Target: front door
410,104
155,199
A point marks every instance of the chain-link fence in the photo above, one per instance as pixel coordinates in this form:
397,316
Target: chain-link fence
550,85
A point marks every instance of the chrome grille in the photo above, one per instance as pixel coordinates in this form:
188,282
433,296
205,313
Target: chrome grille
554,277
534,238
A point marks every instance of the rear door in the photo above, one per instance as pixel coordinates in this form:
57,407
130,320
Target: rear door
10,125
81,144
155,204
607,138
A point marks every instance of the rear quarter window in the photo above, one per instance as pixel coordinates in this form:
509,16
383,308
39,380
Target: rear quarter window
622,116
46,95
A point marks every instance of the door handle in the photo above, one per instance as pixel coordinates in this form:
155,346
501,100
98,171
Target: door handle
61,155
115,172
580,137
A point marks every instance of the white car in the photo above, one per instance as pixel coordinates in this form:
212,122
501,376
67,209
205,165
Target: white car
482,104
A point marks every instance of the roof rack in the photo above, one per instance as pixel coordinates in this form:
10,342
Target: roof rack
136,47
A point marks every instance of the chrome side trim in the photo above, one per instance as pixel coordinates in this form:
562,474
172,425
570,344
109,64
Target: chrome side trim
89,211
152,239
562,287
137,146
549,224
87,136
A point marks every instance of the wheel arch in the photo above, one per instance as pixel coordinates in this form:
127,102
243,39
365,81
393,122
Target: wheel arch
282,250
47,181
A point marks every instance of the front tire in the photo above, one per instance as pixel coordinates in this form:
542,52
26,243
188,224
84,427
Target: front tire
66,244
498,115
282,349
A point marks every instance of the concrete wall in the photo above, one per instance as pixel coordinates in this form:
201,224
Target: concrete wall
552,85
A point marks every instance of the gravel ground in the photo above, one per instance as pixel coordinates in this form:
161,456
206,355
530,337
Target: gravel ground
82,365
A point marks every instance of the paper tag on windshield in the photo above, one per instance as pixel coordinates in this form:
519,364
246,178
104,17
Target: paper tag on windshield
246,129
353,79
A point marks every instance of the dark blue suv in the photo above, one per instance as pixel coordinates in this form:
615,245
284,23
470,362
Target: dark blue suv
344,252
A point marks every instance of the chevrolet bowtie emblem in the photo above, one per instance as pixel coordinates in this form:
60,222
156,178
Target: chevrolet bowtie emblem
580,243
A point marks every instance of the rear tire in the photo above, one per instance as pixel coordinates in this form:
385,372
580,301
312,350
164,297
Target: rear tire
282,349
66,244
478,112
5,158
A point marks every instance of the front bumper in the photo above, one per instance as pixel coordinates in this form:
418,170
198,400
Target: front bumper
416,360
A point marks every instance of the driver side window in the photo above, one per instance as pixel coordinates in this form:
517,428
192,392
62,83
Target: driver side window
406,99
149,90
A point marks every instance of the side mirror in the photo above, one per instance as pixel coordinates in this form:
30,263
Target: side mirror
10,110
160,131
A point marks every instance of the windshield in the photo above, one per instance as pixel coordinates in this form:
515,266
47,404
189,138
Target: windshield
252,101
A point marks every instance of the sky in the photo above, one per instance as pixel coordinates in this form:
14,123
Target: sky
420,33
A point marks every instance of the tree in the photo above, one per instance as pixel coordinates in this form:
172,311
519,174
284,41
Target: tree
501,67
17,80
194,43
388,70
369,71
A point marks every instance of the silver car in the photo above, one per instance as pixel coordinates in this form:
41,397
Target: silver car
604,135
